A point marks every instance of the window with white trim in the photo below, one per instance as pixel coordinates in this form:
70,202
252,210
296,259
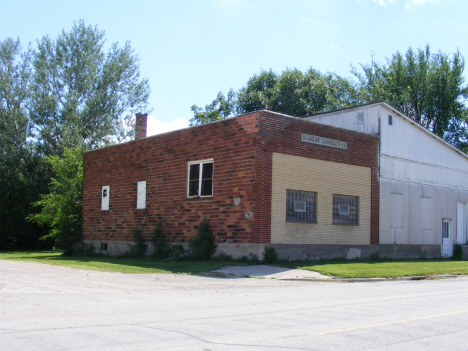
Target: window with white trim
301,206
200,178
345,209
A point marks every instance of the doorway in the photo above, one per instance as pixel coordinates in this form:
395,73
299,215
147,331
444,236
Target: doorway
447,238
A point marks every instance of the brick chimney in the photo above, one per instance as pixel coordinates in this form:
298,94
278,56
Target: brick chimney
140,125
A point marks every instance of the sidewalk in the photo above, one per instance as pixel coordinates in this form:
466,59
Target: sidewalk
281,273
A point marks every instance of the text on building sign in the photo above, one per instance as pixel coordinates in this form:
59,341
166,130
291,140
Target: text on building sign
313,139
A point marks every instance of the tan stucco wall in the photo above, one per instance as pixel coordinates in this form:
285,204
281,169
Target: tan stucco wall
325,178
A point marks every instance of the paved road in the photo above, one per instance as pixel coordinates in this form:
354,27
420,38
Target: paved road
55,308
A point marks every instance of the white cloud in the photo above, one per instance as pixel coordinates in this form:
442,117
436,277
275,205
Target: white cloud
157,127
334,46
383,2
409,3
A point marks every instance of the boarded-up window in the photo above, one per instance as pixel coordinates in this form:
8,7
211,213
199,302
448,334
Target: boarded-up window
105,194
141,195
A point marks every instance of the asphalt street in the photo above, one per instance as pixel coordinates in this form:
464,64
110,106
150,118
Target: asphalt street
56,308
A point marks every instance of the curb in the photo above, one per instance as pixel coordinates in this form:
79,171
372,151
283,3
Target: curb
369,280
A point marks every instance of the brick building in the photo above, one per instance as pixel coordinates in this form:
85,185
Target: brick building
260,179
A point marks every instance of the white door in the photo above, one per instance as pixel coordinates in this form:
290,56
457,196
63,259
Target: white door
461,223
447,238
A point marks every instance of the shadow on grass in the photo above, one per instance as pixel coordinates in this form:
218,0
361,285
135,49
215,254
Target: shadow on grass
117,264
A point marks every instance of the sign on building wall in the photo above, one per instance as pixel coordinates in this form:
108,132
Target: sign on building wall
313,139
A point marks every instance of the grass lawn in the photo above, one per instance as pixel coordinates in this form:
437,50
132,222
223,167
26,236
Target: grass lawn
112,264
387,269
339,269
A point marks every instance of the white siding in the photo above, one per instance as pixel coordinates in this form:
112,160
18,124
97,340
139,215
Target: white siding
350,119
421,177
407,152
411,154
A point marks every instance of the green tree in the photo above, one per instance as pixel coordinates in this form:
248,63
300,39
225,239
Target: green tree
292,92
61,209
296,93
83,96
429,88
220,108
21,169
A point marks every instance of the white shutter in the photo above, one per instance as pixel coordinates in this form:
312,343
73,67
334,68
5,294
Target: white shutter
105,194
141,195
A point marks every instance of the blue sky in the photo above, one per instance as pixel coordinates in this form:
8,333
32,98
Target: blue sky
192,49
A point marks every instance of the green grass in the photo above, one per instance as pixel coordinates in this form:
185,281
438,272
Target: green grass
339,269
384,269
113,264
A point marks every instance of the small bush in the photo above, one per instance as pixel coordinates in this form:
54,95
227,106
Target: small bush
269,254
202,245
140,247
224,257
458,253
423,255
177,252
253,258
161,248
375,256
243,259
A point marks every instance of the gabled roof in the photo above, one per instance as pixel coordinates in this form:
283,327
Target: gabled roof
383,103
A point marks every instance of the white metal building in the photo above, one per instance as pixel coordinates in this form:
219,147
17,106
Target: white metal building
423,182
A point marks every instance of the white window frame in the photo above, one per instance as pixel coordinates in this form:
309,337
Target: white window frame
200,173
141,195
300,206
343,209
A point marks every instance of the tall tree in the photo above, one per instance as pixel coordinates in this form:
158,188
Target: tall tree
82,96
292,92
21,169
429,88
69,93
295,93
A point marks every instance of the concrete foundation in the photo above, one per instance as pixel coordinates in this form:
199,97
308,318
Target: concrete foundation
239,250
409,251
116,248
317,251
299,251
465,252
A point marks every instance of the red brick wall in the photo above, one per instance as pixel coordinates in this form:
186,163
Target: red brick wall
242,150
161,161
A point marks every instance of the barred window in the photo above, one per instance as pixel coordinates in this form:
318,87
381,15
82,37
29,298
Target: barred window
345,209
301,206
